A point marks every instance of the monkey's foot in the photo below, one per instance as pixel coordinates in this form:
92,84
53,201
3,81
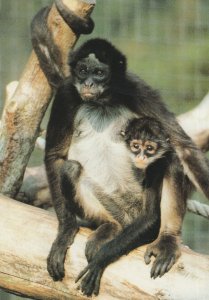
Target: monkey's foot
91,279
55,262
93,246
166,251
104,233
91,249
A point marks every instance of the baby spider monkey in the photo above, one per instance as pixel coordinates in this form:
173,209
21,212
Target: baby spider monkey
147,142
152,153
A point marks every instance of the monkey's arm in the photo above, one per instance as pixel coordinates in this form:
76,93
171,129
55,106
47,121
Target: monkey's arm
166,248
176,188
57,145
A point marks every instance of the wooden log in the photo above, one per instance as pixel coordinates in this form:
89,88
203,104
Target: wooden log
24,109
27,234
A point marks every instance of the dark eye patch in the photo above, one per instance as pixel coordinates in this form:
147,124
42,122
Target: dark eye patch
99,72
82,71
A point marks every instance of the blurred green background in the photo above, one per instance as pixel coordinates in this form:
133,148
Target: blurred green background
166,43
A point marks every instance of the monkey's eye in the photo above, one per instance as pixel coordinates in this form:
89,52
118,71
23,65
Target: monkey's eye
150,148
99,73
82,72
135,147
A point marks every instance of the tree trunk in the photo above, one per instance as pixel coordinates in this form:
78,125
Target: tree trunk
196,123
26,237
24,109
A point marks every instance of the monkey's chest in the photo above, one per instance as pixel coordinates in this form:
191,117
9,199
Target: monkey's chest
103,160
98,145
107,186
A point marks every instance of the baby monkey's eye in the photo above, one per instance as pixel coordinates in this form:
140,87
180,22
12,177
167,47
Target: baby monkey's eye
150,148
135,147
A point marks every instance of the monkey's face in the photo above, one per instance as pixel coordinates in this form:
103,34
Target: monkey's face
147,141
144,152
91,78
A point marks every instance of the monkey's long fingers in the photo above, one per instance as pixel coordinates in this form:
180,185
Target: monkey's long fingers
88,283
167,266
156,268
162,266
97,283
91,282
82,273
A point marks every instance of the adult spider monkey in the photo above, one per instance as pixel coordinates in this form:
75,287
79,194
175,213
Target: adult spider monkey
90,110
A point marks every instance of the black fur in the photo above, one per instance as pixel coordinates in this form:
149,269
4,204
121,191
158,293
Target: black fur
150,126
126,95
116,60
77,24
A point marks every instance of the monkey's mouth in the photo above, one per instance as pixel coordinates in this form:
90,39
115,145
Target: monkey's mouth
89,96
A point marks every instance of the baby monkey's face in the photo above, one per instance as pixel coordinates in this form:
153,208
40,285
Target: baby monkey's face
146,140
145,152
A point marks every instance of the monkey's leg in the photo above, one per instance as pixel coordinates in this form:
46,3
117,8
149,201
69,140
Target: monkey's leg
144,230
103,234
66,208
166,248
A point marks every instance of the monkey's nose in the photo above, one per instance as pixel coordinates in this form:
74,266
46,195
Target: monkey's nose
141,157
89,83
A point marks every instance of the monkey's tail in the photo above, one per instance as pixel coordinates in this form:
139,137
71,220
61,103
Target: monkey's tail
198,208
48,53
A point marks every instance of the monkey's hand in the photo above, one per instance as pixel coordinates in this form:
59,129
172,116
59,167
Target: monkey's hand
56,257
166,251
91,277
55,261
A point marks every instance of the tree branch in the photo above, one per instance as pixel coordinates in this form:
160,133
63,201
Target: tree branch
24,110
26,239
196,123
